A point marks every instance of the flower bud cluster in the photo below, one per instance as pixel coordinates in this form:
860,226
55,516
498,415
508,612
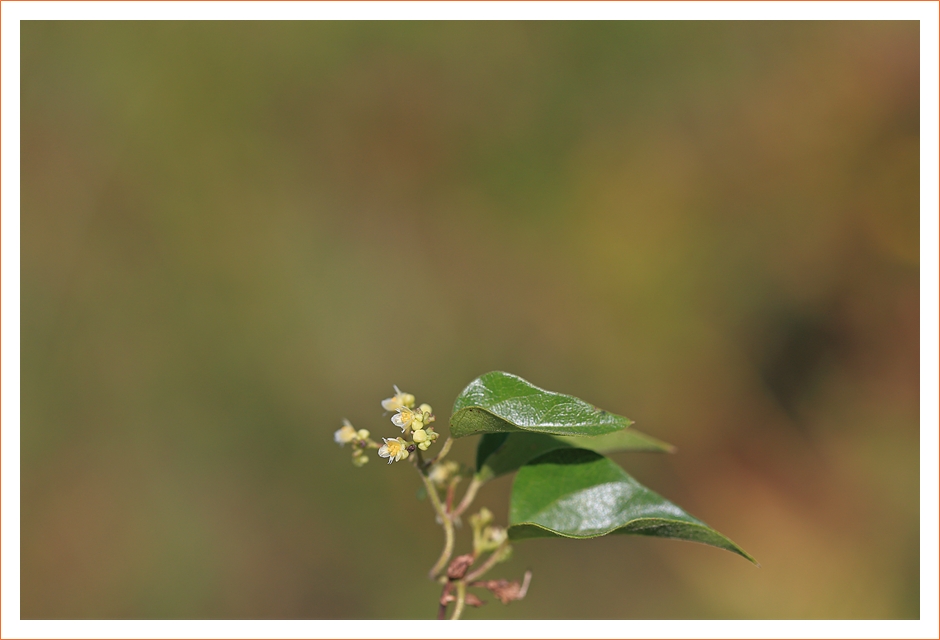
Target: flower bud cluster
411,421
442,473
486,536
359,439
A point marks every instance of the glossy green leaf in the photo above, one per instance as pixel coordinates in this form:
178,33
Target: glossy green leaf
629,439
499,402
576,493
500,453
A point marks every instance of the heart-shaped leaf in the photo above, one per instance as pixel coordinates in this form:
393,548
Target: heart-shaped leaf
498,402
576,493
500,453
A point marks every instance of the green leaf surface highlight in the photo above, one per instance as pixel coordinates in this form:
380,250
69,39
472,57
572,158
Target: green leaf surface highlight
499,402
576,493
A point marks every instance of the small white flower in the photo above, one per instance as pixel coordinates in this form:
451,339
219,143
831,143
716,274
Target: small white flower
394,449
494,536
346,433
403,418
399,400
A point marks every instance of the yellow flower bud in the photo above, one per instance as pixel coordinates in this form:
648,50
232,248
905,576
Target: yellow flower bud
481,519
363,434
425,408
360,460
424,446
419,436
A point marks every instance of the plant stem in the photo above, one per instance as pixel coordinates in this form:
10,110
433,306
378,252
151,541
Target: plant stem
468,497
489,564
461,597
445,448
442,608
446,522
525,584
449,505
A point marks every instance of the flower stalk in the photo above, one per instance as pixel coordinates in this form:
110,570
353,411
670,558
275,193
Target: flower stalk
446,522
491,562
461,599
440,481
468,496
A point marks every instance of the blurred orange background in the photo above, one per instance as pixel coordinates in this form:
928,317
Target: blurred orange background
235,234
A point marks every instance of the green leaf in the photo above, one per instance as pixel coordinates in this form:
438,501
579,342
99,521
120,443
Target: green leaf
576,493
627,440
501,453
498,402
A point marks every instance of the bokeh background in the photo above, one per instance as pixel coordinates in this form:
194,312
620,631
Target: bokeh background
235,234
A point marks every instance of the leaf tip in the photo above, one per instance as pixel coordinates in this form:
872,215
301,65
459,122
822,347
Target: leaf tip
744,554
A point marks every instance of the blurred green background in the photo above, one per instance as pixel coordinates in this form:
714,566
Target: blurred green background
235,234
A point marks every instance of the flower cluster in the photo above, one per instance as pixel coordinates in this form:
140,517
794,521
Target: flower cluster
441,478
360,440
410,420
442,473
488,537
415,429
